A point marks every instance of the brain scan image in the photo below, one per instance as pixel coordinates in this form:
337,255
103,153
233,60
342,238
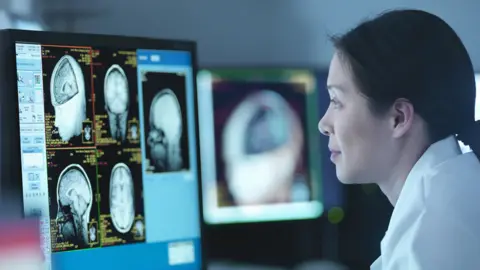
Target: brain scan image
117,101
139,228
87,133
262,142
74,200
164,138
122,198
67,94
134,132
93,234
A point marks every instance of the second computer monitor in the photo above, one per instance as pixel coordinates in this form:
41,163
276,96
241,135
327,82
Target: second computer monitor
258,145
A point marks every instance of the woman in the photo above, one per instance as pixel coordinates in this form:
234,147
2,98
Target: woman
402,86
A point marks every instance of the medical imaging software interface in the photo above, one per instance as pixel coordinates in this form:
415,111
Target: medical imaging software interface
258,125
108,156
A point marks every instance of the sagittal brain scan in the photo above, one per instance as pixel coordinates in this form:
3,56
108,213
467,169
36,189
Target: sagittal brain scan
67,76
73,187
165,121
74,200
121,186
260,143
165,132
122,198
117,101
116,108
67,93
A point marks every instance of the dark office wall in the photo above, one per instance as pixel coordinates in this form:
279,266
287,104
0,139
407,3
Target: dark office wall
257,32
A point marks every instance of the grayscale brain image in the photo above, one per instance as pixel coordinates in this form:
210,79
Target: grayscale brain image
121,188
122,197
73,196
260,143
68,96
116,106
165,122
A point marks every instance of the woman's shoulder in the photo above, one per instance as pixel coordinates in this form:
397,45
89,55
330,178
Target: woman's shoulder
462,168
454,186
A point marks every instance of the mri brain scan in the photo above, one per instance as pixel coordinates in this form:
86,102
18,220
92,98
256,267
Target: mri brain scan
74,199
93,234
165,132
262,142
87,133
117,101
134,132
122,201
67,92
139,227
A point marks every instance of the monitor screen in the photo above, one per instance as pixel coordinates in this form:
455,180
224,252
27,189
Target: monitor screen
477,98
463,147
259,145
109,162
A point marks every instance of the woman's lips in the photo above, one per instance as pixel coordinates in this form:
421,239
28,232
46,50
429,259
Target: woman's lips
334,155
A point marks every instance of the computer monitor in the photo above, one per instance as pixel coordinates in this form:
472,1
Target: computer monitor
105,144
463,147
477,99
259,145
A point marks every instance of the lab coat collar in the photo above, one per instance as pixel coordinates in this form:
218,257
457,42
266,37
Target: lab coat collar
410,201
413,188
436,154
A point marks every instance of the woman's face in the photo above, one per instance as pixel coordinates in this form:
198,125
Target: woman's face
358,139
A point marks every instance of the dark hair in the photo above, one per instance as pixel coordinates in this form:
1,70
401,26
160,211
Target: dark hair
415,55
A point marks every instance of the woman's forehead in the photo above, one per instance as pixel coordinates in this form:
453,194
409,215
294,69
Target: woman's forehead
340,78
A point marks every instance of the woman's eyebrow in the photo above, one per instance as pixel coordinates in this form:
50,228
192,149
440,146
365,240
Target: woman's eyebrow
335,86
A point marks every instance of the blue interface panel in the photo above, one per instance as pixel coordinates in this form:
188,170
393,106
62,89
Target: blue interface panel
109,161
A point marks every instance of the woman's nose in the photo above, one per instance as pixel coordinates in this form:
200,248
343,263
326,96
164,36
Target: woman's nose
324,127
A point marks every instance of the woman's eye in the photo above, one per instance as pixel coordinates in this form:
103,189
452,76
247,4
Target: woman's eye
335,103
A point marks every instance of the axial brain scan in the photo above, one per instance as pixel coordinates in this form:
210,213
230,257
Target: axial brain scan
117,101
122,201
262,142
87,133
74,199
139,228
134,132
67,92
165,132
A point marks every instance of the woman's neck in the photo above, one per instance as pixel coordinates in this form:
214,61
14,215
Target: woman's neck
406,159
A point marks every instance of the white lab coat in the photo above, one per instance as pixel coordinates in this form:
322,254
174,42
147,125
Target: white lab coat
435,224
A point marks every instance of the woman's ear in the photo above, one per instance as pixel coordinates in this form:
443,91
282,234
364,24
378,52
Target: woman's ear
402,117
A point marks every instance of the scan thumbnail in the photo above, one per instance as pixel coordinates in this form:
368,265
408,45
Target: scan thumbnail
116,97
121,188
165,122
73,199
259,130
68,96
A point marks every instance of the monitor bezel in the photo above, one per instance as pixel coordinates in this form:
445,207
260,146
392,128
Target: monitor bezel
12,37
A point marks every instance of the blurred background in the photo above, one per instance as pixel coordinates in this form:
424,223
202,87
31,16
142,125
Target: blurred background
270,41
